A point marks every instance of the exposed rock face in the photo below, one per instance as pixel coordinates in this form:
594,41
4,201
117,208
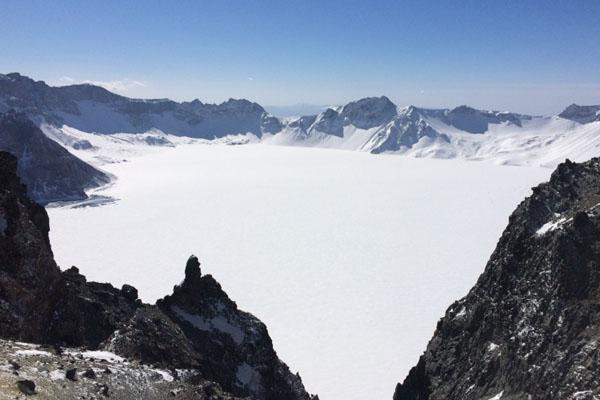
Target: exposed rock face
50,172
27,266
197,328
365,113
236,348
407,129
581,114
153,338
38,302
529,329
94,109
369,112
394,130
476,121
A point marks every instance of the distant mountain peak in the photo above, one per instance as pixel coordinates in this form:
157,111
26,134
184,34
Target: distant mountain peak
92,108
581,114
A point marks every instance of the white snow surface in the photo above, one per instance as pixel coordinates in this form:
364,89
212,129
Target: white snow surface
98,355
349,258
498,396
32,352
552,226
544,141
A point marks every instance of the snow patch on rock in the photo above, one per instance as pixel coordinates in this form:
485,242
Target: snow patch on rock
218,323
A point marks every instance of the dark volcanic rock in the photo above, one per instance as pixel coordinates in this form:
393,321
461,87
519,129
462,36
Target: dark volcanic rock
197,328
71,374
530,328
236,348
26,386
86,313
50,172
151,337
38,303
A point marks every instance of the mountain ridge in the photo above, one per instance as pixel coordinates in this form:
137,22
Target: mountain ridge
371,124
50,172
528,328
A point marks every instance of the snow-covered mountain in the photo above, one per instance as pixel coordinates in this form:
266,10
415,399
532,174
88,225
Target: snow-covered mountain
94,109
69,114
375,125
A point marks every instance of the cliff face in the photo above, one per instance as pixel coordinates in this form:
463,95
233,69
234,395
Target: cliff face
197,328
38,302
50,172
530,328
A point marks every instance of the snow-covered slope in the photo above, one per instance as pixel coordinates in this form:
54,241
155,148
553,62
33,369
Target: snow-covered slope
463,132
340,253
92,108
70,114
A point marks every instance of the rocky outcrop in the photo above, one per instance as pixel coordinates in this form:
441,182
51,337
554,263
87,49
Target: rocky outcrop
366,113
72,373
197,328
38,302
50,172
581,114
235,346
407,129
529,329
471,120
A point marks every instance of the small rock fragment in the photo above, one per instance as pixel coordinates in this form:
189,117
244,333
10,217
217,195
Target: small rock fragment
89,374
71,374
26,386
104,391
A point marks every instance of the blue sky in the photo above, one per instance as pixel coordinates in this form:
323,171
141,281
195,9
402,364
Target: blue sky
530,56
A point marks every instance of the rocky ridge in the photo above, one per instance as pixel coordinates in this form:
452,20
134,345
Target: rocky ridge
581,114
197,328
529,328
50,172
94,109
372,124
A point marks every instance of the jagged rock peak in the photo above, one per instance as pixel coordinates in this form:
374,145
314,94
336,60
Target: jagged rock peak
369,112
528,328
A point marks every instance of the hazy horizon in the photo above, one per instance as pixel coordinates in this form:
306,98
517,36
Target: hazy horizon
530,57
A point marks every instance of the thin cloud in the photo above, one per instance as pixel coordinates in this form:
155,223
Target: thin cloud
119,86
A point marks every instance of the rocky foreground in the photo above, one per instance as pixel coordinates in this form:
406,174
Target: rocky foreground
193,343
55,373
530,328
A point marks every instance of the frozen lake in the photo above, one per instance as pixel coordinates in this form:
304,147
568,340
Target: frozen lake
349,258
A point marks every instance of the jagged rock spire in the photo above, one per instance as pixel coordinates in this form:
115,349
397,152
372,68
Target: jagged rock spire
192,271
